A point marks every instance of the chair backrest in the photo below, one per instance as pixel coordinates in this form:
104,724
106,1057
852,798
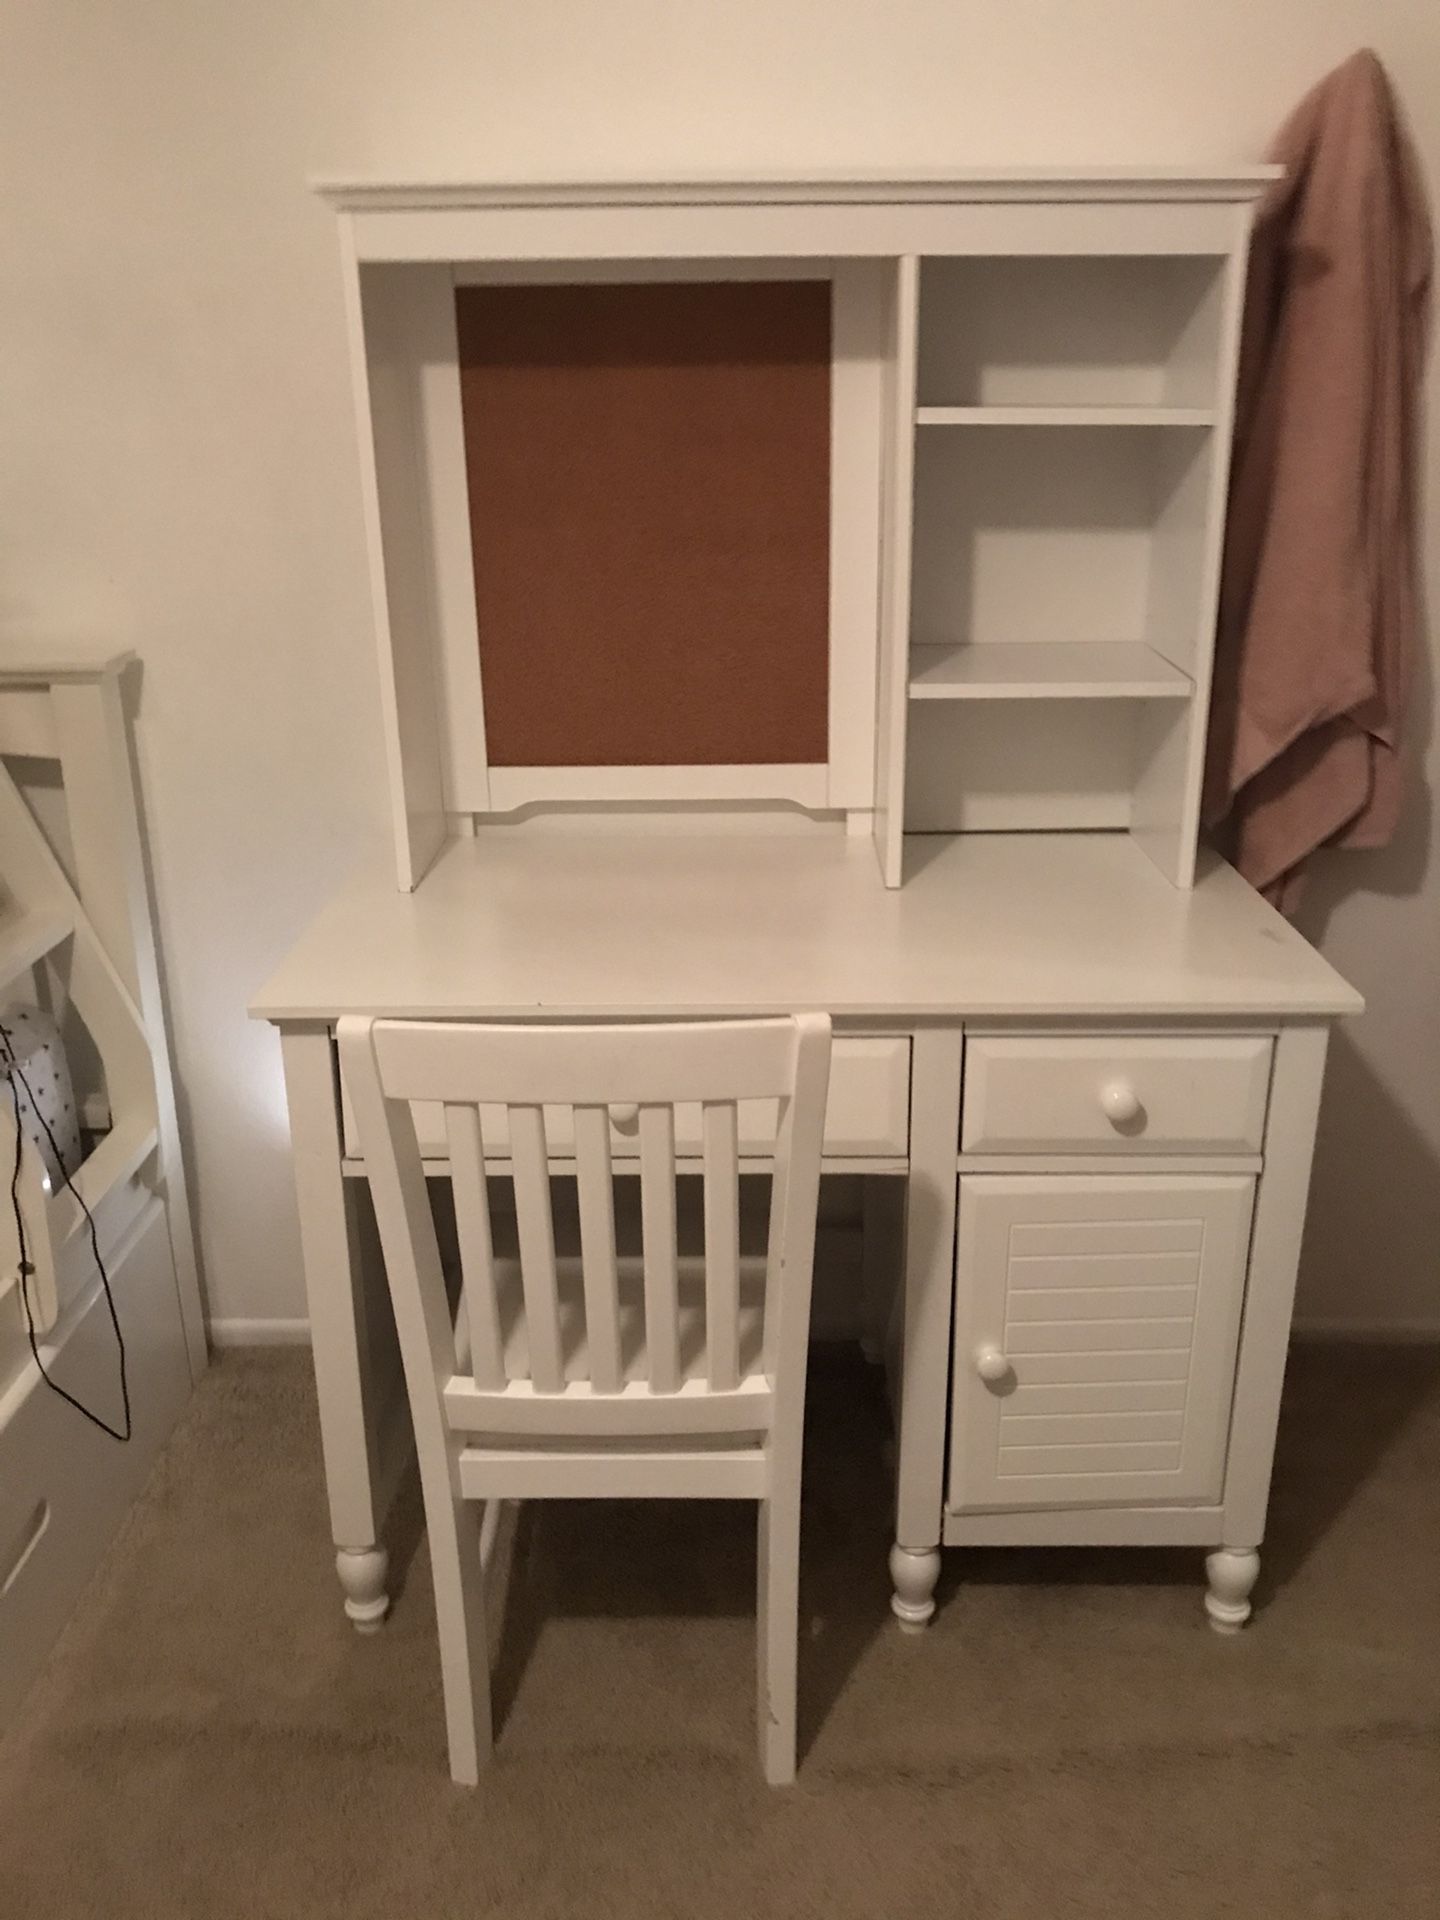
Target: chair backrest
550,1384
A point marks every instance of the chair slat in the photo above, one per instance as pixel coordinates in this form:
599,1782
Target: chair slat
657,1214
595,1186
722,1243
530,1170
477,1253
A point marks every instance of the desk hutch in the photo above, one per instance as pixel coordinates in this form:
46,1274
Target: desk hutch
800,593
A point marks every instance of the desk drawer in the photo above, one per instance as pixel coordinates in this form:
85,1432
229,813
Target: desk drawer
867,1117
1062,1093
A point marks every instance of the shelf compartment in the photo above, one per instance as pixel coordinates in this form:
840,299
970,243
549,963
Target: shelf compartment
1054,670
26,938
1065,416
1024,534
1053,331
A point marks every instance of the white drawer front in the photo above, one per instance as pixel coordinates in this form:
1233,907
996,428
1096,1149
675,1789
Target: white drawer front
1072,1094
1096,1324
867,1117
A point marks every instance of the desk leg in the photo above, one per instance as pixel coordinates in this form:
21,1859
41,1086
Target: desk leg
334,1283
929,1296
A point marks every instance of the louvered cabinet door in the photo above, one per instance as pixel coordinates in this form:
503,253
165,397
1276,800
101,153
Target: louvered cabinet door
1096,1323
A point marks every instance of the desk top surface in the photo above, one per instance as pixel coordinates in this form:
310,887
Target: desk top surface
525,922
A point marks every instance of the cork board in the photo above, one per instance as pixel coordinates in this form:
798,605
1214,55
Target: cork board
649,475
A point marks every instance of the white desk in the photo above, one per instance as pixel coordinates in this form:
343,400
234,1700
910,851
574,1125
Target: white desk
1073,938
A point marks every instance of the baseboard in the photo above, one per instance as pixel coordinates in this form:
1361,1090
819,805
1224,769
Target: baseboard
1370,1333
259,1333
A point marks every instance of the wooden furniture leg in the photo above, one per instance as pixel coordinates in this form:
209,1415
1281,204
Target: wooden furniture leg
929,1291
1232,1573
1295,1086
338,1331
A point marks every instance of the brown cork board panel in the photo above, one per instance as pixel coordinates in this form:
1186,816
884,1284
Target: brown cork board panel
649,473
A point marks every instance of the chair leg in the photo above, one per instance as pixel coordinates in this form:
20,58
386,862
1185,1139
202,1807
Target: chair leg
778,1625
453,1525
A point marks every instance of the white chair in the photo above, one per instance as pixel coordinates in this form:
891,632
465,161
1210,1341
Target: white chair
625,1386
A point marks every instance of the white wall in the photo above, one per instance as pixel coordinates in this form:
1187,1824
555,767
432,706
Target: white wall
177,470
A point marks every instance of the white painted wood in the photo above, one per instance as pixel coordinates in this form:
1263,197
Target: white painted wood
530,1171
1064,416
914,1572
64,1487
857,481
26,937
1093,302
1093,1094
882,1269
86,979
929,1295
101,784
585,1409
1030,219
657,1200
1028,768
986,927
595,1064
231,1330
477,1254
1066,1266
887,186
1158,805
345,1385
1274,1263
593,1171
1186,534
1032,1162
1190,535
1232,1573
629,273
1100,1396
867,1119
1083,329
1159,1366
734,1474
1067,670
1119,1526
722,1244
898,454
1063,332
740,1439
1072,539
512,787
441,434
385,378
1039,533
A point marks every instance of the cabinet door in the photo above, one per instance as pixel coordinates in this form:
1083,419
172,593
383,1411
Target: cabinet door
1096,1322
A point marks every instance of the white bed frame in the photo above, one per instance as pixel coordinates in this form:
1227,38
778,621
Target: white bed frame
75,918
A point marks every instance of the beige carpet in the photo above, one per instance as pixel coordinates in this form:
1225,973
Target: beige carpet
1068,1739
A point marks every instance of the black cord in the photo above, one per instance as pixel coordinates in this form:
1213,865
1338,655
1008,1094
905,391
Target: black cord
17,1078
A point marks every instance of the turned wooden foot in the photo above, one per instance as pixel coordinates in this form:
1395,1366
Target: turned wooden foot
362,1572
1232,1572
913,1571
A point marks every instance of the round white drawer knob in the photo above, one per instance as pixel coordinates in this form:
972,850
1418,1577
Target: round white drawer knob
991,1364
1120,1101
625,1119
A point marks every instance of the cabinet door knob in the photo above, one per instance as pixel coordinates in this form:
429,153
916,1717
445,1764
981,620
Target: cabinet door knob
1120,1102
990,1363
625,1119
